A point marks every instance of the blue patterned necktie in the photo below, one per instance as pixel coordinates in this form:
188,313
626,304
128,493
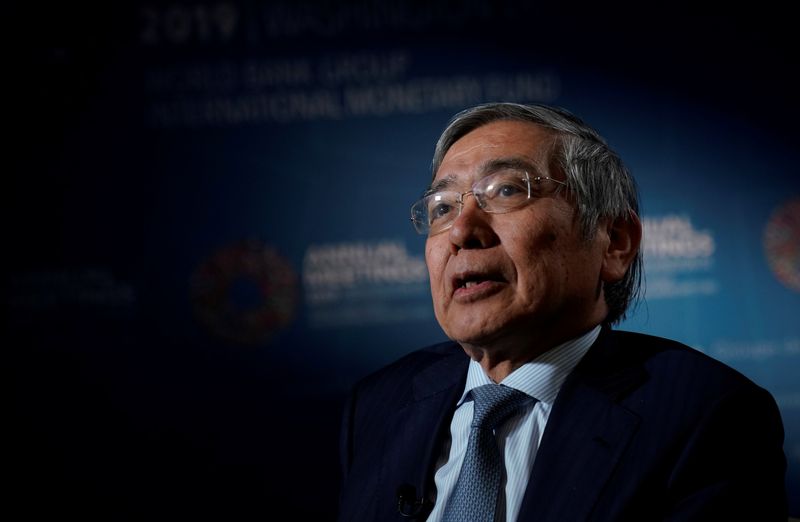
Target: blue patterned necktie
475,496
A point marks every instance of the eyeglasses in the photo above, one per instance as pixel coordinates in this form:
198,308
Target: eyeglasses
498,193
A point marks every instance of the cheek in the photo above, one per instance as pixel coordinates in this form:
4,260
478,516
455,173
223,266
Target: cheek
435,261
538,256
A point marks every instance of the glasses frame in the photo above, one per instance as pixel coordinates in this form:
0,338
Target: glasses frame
423,228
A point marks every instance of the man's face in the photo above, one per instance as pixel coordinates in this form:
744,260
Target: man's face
525,276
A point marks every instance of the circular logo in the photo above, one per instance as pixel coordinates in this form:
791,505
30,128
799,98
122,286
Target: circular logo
244,292
782,243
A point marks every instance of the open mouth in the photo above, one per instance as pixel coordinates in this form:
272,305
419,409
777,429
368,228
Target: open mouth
475,281
469,283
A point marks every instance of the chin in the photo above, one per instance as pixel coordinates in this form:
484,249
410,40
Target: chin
472,336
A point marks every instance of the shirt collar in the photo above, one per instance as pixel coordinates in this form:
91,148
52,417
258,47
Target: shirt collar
542,377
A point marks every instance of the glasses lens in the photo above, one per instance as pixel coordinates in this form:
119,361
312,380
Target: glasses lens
419,216
434,212
503,191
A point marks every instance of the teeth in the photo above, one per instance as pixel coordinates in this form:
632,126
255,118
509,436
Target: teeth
470,283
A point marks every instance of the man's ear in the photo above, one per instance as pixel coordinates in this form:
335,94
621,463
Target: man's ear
625,237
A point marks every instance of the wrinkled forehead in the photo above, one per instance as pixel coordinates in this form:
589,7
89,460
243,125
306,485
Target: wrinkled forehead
496,145
462,181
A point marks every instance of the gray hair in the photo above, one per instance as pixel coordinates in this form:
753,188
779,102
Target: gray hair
600,183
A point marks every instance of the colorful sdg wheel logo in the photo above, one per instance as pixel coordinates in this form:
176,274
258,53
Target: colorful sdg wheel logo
245,293
782,244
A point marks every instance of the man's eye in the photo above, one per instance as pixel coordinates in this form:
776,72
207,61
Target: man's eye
508,190
439,210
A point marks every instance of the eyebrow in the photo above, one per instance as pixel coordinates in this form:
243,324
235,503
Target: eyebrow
490,167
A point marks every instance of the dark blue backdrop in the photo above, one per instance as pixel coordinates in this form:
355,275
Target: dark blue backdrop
208,237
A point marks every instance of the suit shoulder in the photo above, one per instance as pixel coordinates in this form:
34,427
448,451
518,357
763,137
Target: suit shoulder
411,364
677,361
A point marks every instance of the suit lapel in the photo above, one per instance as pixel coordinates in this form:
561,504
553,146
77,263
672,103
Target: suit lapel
415,433
586,434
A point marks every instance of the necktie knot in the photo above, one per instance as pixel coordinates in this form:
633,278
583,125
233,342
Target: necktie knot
494,403
477,492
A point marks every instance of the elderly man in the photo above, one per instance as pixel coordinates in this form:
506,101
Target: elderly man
538,410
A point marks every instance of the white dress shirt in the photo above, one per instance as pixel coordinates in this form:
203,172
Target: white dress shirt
519,436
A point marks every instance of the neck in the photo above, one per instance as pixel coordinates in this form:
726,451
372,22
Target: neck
499,363
498,360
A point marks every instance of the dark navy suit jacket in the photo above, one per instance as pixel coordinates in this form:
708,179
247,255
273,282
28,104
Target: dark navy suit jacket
643,429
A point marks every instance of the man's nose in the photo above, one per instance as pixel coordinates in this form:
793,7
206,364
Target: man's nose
472,228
